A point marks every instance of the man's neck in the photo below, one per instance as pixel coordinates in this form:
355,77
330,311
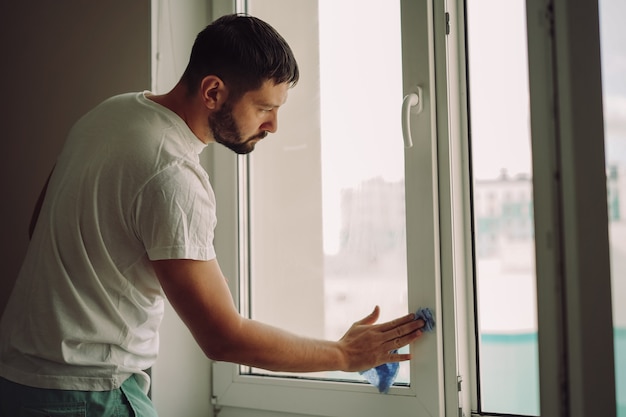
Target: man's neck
187,108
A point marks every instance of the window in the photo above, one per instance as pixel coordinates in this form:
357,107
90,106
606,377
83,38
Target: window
323,206
350,255
499,120
308,227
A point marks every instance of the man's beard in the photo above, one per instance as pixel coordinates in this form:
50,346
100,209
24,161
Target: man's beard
226,132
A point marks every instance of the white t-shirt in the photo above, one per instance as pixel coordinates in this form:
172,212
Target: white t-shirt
86,307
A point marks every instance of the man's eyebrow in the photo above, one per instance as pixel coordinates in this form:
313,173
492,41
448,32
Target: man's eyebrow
267,104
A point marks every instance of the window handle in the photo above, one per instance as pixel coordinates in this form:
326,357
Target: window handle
412,103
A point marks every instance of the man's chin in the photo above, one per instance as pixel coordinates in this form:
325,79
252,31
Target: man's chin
244,151
248,146
242,148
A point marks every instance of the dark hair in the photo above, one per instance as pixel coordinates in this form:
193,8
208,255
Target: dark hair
244,52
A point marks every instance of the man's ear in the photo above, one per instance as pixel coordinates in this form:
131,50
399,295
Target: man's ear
214,92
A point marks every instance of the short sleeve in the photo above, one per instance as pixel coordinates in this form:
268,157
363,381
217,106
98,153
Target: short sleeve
174,214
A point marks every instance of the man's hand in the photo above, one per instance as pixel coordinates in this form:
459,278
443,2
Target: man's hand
366,345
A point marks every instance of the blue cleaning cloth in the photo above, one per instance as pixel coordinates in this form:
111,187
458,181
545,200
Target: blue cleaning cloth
427,315
383,376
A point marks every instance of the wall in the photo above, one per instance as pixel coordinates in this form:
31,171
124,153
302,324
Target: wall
58,62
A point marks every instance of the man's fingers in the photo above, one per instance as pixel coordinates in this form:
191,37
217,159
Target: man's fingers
403,328
393,324
398,342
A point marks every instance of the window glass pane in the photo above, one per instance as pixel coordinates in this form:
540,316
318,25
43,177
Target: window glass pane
613,39
502,207
327,220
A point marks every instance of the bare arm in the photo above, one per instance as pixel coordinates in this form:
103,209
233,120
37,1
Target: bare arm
199,294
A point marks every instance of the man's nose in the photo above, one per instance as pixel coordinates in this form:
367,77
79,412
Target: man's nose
271,124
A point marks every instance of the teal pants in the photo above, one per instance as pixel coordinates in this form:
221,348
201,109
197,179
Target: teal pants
21,401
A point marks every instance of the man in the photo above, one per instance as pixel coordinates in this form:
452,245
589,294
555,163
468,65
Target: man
128,217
